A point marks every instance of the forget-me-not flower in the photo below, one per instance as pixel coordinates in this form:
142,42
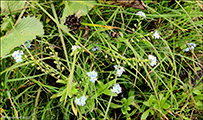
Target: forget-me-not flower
94,48
93,75
119,71
116,89
74,47
18,58
187,49
17,55
156,35
141,14
93,79
81,100
27,44
77,101
153,60
192,46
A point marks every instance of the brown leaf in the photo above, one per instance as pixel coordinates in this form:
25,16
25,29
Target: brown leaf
137,4
85,35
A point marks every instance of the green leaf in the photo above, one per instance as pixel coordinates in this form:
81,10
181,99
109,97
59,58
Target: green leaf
197,92
26,29
91,104
145,115
199,104
11,6
124,110
151,99
146,103
73,108
151,111
131,100
112,105
104,88
82,7
166,106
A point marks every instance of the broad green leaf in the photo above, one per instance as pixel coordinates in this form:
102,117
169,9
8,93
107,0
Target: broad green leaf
145,115
11,6
26,29
82,7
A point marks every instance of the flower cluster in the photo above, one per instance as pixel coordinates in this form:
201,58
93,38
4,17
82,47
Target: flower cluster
94,48
17,55
119,71
153,60
192,46
81,100
74,47
156,35
92,75
116,89
141,14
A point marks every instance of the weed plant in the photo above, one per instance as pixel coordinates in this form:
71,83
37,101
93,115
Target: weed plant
127,66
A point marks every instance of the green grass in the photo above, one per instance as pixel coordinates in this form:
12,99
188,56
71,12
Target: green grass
51,76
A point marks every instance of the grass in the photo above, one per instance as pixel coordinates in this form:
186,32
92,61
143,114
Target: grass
51,76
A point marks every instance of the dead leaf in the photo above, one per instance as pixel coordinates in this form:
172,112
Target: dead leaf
85,35
137,4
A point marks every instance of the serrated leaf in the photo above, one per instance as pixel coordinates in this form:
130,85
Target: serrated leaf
11,6
26,29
